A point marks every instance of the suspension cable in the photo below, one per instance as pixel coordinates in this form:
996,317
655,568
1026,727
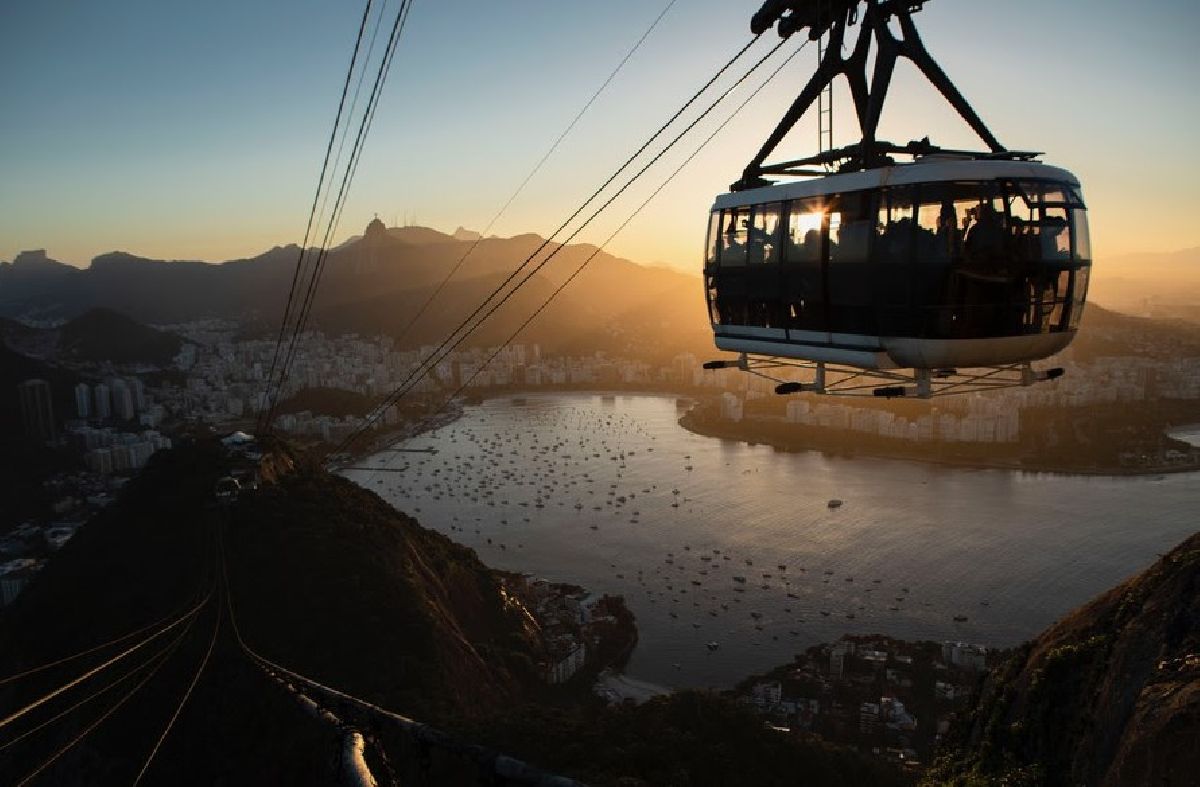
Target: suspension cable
312,211
578,270
434,357
443,351
70,684
536,168
113,709
348,176
89,651
220,611
362,74
102,690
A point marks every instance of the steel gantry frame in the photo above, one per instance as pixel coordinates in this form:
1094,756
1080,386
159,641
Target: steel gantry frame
831,18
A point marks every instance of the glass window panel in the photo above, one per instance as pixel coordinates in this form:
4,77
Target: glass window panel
895,225
1052,194
1022,202
764,237
714,235
1079,295
712,297
850,228
1082,275
734,234
1055,234
804,230
1079,228
939,234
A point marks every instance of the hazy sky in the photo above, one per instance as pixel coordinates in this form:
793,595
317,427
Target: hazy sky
195,130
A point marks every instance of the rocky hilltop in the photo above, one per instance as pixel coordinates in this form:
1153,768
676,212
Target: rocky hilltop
1109,696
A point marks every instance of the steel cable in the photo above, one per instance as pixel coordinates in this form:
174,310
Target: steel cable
422,369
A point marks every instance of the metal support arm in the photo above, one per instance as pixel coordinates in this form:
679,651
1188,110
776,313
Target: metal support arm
868,99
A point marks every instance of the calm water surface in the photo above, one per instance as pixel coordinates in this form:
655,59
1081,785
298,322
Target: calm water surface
610,493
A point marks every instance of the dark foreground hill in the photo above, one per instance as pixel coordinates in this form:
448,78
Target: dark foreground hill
107,335
328,580
325,579
25,461
1109,696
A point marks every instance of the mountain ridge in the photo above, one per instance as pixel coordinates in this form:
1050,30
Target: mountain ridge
1109,695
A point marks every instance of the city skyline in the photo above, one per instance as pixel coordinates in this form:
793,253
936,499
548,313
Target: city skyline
197,133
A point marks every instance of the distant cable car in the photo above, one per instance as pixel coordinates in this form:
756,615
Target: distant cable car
949,272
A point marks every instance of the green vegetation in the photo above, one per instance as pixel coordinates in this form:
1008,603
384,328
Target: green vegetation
688,738
1109,695
335,402
106,335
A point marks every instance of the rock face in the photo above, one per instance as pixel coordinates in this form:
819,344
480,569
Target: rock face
335,584
1109,696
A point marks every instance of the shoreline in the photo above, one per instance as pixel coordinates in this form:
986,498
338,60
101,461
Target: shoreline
689,421
725,431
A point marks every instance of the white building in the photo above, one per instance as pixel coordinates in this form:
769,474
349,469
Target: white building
962,654
563,670
731,407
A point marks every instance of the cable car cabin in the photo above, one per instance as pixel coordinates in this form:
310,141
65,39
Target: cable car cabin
944,263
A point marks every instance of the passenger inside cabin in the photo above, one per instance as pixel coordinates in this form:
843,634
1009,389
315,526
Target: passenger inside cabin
948,238
1055,239
985,241
734,250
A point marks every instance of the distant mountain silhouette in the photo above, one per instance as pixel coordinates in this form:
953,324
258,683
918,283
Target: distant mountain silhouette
373,284
107,335
1149,282
33,282
1105,332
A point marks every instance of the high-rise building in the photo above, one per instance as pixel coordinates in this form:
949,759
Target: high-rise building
37,411
122,400
103,401
139,393
83,400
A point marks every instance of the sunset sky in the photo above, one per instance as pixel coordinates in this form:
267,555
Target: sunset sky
195,130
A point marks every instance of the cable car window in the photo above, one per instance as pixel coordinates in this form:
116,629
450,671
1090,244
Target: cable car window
712,296
850,228
1079,295
1082,241
734,232
764,236
849,273
714,235
1055,234
1052,194
938,236
895,225
804,230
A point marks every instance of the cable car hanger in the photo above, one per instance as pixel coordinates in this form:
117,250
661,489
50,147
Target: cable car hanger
833,17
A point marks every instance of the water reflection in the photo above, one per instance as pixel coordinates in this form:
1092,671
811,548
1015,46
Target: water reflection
614,495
